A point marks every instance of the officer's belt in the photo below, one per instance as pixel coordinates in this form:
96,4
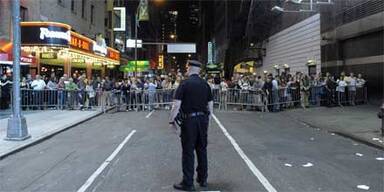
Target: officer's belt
195,114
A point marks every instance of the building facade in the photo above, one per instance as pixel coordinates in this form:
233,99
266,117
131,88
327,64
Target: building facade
294,49
352,34
81,47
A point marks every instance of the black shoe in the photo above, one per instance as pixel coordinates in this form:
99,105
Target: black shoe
202,183
183,187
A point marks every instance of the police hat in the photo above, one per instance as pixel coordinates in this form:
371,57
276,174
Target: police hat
194,63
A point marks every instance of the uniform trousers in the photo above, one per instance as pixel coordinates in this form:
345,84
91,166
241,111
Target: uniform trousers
194,138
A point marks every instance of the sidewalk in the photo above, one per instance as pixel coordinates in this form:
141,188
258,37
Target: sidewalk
359,122
41,125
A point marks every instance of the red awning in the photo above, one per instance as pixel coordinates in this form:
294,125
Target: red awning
7,49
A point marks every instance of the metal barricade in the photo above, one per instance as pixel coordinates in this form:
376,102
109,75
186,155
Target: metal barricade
58,99
138,100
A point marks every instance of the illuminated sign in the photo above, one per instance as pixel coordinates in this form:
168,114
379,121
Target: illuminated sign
80,43
48,55
161,62
78,60
133,66
99,49
46,33
115,55
26,59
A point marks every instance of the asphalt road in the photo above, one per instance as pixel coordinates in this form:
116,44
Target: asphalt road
150,160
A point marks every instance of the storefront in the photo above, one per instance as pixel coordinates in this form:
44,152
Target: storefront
245,67
58,50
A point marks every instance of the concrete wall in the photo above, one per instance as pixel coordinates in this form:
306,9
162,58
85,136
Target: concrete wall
53,11
294,46
5,19
50,10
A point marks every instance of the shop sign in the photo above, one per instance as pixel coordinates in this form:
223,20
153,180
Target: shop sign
132,67
161,62
26,59
97,64
47,35
48,55
112,54
210,53
98,49
80,43
78,60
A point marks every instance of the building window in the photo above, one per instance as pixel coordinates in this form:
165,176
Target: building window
312,70
83,8
92,11
60,2
23,13
73,5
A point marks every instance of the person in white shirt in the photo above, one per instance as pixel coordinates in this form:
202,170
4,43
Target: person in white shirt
360,82
38,85
340,89
275,95
352,89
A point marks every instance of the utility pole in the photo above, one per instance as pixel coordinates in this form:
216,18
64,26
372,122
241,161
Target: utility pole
136,21
17,125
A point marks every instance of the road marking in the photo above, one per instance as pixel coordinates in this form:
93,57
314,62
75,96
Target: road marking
149,114
92,178
251,166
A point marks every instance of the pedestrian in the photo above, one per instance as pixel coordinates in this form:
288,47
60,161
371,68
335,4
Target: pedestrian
340,89
194,98
304,91
5,95
352,89
38,86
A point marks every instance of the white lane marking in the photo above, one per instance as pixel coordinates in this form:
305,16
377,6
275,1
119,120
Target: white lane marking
308,165
92,178
365,187
380,158
251,166
288,165
149,114
359,154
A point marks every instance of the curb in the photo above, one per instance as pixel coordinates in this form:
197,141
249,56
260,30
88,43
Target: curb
359,139
346,135
49,135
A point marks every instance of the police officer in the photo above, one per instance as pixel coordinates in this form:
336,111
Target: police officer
194,99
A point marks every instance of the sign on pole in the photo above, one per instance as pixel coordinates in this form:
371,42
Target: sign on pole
181,48
131,43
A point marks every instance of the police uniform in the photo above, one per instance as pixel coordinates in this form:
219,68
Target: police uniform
194,94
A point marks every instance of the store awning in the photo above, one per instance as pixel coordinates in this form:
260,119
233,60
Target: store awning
6,55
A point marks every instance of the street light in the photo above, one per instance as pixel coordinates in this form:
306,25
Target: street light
172,36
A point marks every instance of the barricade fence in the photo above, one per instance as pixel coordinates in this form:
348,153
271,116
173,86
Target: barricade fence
228,99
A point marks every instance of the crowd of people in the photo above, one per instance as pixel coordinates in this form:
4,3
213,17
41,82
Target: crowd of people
291,90
276,92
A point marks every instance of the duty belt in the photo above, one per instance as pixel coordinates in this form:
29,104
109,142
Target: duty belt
195,114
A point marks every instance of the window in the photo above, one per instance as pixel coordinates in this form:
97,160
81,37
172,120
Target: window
92,11
60,2
23,13
83,8
73,5
312,70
